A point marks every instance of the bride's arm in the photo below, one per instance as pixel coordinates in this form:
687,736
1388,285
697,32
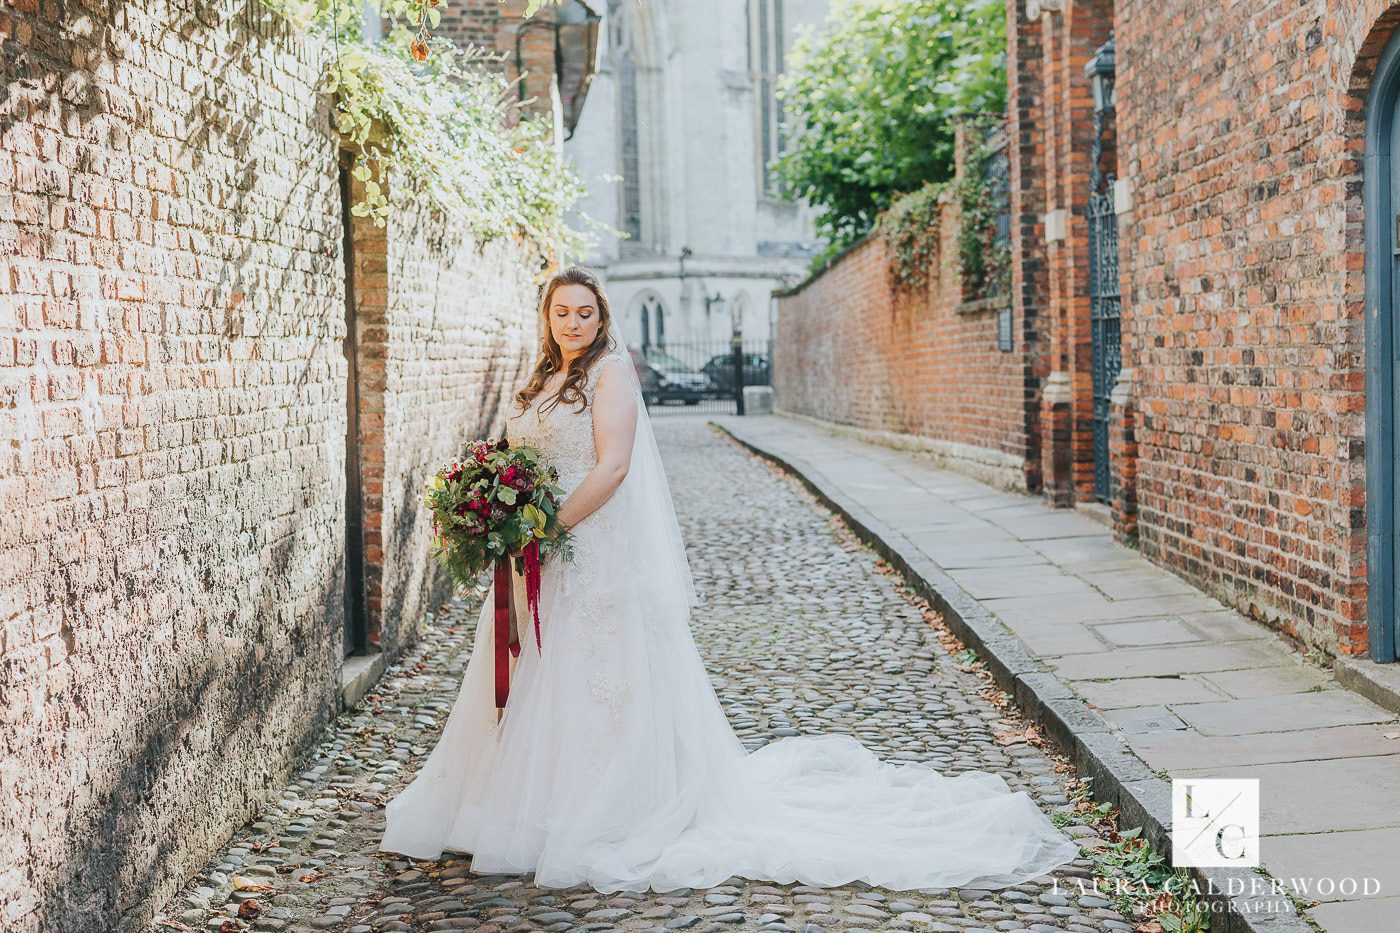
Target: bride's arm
614,429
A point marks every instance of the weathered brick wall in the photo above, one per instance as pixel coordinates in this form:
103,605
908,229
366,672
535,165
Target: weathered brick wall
173,435
1240,131
172,413
918,367
447,333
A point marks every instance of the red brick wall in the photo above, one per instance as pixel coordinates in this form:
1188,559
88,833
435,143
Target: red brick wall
501,27
171,414
1240,131
851,350
446,335
173,437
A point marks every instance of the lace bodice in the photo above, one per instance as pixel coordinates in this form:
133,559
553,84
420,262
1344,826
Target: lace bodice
563,434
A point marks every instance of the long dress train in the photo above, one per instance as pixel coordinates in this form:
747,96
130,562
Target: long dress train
614,764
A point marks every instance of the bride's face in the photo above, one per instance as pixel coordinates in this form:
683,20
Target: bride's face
574,318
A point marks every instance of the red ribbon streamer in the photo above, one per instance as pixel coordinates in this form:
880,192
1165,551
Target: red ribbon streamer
503,595
502,588
532,586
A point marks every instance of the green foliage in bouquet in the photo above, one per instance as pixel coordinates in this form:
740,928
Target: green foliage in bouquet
491,504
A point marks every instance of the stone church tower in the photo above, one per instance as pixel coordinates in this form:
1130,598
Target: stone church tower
680,121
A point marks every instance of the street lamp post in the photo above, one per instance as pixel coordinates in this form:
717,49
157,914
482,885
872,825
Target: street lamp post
736,344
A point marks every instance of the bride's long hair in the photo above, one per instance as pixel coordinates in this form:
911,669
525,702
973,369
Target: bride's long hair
551,358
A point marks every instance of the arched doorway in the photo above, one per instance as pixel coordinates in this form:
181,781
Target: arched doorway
1382,206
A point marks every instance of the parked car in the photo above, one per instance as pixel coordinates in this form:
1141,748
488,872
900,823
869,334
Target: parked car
666,379
720,369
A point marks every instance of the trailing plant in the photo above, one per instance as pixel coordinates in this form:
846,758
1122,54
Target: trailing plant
985,261
432,117
910,228
1142,885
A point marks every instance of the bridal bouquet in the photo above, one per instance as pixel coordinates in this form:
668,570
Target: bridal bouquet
494,504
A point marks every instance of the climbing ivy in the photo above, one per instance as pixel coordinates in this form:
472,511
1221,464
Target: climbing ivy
910,226
427,113
985,262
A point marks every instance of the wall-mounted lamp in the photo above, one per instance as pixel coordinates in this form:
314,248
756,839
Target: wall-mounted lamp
1099,69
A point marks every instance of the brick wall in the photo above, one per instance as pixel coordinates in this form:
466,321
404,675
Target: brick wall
1244,300
916,368
500,27
173,428
446,335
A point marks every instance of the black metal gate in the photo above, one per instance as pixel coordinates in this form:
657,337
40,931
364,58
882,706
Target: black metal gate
1104,299
1104,306
700,376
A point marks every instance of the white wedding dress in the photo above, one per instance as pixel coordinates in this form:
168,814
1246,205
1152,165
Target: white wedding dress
614,764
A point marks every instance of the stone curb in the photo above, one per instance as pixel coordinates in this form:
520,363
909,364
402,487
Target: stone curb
1120,777
1379,683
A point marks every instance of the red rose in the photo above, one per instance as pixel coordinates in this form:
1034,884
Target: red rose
508,475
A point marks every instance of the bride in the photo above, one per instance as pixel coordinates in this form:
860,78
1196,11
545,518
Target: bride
614,765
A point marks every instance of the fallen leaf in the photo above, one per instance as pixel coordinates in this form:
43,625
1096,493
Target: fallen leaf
241,883
249,909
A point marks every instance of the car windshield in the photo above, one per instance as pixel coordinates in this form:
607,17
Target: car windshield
664,361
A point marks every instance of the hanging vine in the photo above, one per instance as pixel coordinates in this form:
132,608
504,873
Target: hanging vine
910,225
910,228
984,259
429,114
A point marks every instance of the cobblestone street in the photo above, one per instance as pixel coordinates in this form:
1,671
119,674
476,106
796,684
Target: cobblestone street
803,631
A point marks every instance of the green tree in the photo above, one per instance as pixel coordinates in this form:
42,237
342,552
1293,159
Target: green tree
871,100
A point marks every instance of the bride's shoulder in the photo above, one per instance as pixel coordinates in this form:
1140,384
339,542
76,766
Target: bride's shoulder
613,359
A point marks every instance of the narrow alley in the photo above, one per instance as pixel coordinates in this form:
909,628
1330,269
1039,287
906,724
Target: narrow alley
803,630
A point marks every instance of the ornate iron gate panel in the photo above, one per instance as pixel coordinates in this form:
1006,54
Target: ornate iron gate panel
1104,306
1104,301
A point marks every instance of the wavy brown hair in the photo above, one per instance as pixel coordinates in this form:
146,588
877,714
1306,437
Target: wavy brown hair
551,358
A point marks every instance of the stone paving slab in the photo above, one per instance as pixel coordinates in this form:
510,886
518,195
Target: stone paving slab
1134,691
1374,914
1309,710
1164,751
1182,647
1337,795
1363,853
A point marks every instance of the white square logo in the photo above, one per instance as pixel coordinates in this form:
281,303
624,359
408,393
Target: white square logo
1215,822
